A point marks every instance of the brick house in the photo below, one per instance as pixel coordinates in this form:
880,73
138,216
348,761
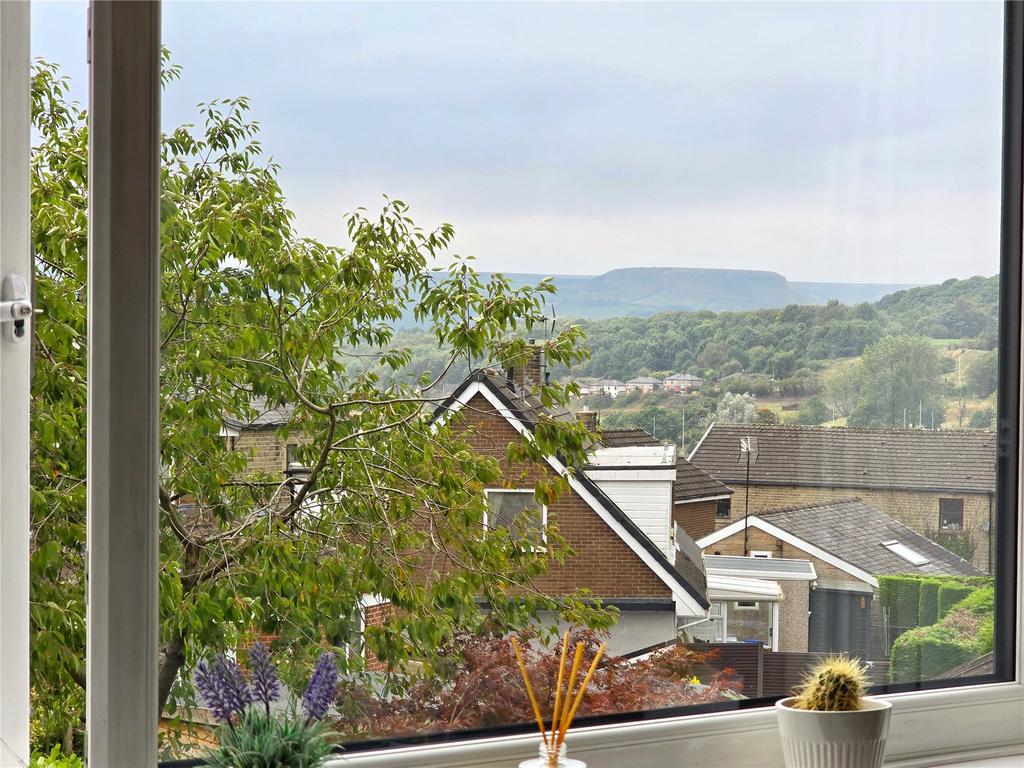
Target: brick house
849,543
616,515
682,382
643,384
933,481
699,501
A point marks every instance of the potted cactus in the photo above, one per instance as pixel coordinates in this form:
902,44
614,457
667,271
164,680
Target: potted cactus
830,723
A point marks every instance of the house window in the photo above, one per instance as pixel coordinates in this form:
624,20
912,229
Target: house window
723,509
762,554
289,454
951,514
517,511
746,605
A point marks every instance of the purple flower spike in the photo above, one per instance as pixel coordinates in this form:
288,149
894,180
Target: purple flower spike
236,690
265,685
210,688
320,693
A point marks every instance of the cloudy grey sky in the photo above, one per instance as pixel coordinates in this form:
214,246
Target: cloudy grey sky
825,141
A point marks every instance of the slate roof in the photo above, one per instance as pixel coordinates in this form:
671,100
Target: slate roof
908,459
693,483
644,380
854,531
267,416
620,438
683,377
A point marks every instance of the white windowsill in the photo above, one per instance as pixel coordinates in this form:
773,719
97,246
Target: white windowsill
930,728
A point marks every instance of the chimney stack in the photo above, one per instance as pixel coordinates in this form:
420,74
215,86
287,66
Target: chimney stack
588,419
531,374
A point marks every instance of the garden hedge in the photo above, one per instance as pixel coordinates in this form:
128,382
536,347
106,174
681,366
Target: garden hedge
927,652
902,596
950,594
928,604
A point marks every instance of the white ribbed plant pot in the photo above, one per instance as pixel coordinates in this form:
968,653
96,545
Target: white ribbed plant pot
853,739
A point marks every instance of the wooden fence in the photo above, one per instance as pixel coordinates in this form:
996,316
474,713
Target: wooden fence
767,673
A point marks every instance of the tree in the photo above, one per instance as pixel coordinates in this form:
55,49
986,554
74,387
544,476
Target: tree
981,419
899,382
250,309
841,388
961,405
813,411
983,374
735,408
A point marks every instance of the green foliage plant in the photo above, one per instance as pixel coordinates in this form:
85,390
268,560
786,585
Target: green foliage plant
55,759
279,741
835,684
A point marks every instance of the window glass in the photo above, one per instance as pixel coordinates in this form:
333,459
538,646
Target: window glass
516,511
720,279
951,514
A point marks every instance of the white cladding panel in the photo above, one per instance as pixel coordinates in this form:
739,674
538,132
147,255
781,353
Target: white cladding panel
648,504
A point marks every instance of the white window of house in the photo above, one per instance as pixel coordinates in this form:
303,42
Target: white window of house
518,511
911,556
763,554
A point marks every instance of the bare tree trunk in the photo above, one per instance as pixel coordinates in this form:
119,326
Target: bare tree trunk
172,660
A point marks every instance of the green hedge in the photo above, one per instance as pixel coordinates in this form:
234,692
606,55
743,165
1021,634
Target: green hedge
928,604
950,594
927,652
902,596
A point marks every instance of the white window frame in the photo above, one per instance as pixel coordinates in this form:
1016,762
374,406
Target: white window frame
15,369
928,727
531,491
761,554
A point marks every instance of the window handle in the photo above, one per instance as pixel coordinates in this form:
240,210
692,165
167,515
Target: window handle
15,307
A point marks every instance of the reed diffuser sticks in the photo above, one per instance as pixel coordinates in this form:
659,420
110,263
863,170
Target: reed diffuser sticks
566,703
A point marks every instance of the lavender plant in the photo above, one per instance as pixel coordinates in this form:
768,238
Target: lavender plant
252,735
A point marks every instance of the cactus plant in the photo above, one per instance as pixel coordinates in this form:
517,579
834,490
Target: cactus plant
835,684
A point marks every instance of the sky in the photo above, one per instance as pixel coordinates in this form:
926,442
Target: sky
854,142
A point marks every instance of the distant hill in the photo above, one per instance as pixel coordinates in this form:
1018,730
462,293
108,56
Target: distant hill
647,291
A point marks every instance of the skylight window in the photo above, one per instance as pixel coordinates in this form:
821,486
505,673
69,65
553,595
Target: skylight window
912,557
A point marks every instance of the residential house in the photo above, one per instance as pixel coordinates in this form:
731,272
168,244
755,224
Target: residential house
616,514
850,544
682,382
699,501
937,482
612,387
643,384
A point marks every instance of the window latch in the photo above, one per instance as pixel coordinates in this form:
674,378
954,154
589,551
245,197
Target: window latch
15,307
